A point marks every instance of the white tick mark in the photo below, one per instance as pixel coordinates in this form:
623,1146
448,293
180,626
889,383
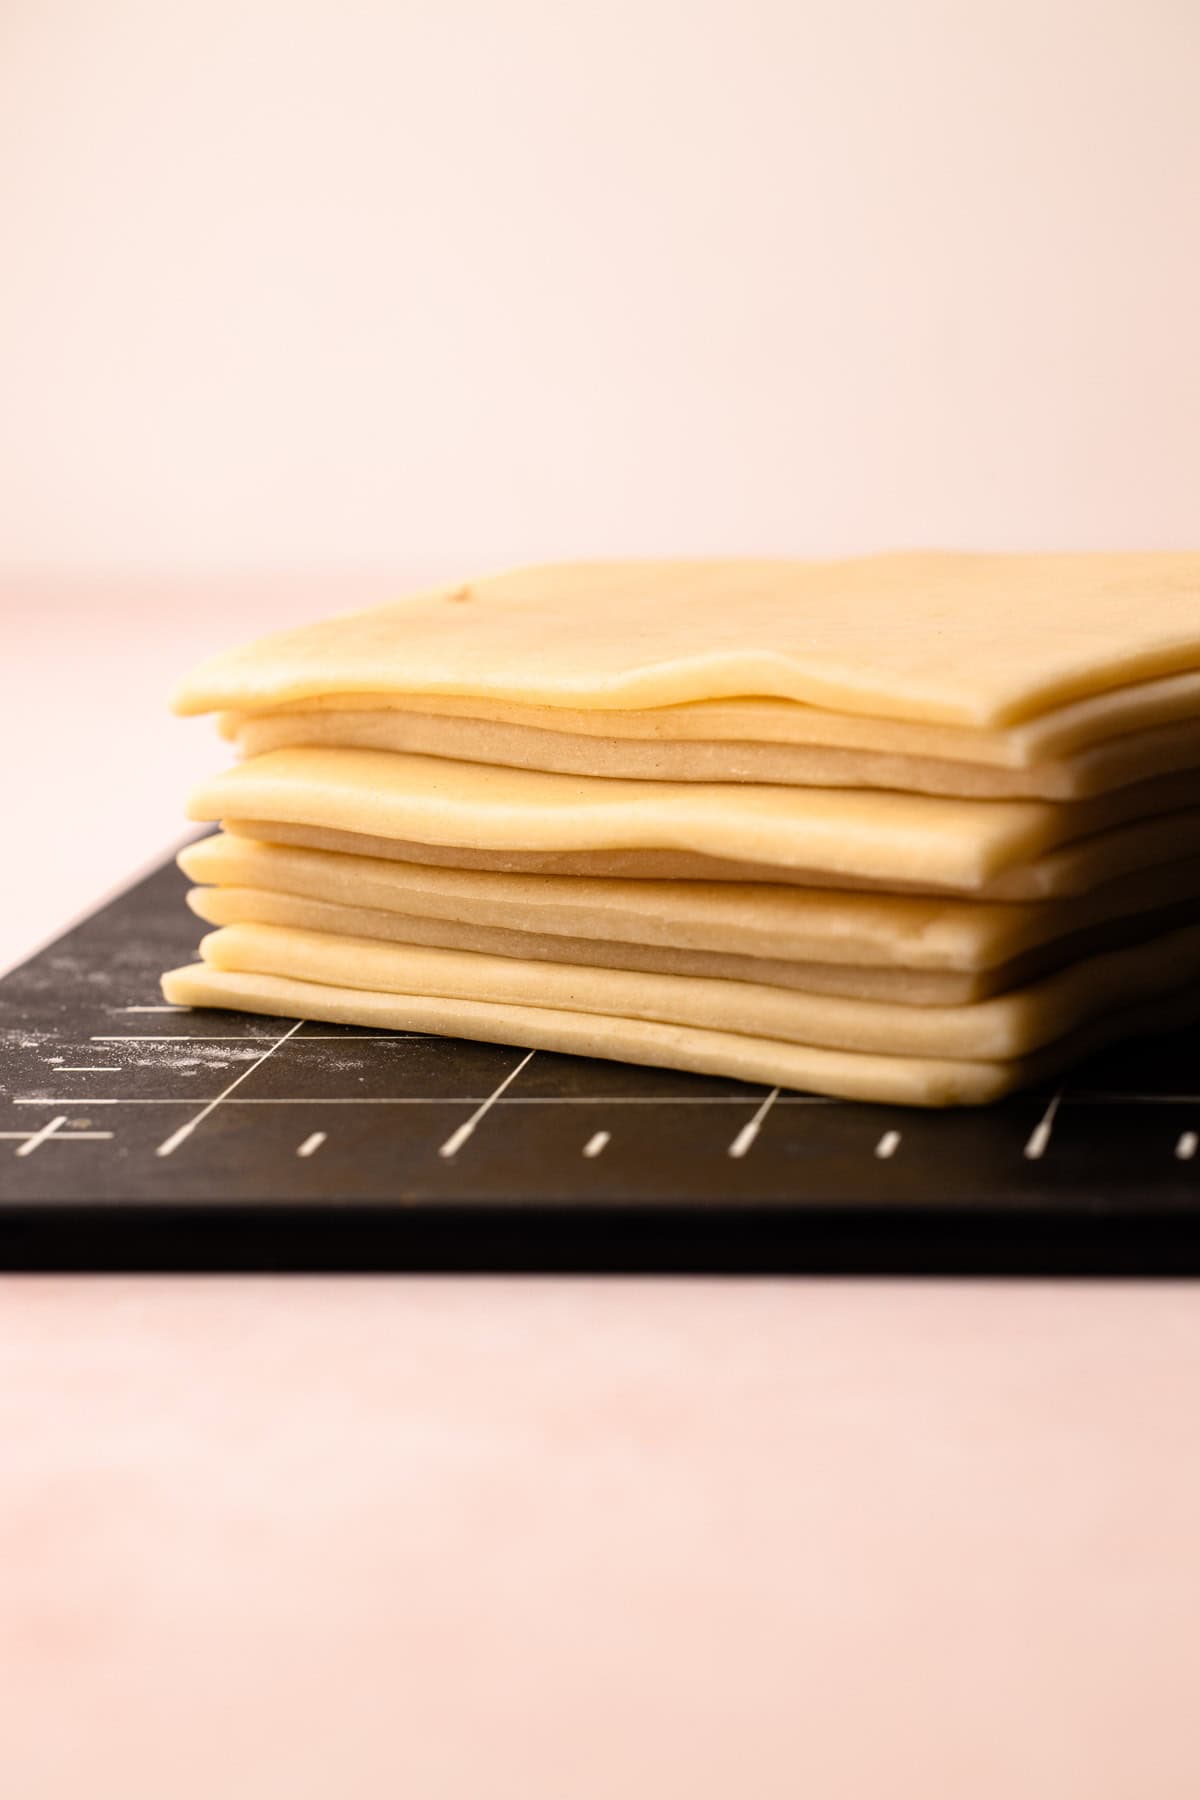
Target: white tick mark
888,1145
458,1138
1039,1137
596,1143
171,1144
41,1137
750,1131
311,1144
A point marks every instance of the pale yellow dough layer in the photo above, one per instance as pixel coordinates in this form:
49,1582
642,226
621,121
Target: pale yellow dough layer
846,835
899,986
1097,770
893,932
1075,869
1003,1029
950,638
908,1081
1095,722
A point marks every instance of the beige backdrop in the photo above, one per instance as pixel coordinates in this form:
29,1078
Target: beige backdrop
297,282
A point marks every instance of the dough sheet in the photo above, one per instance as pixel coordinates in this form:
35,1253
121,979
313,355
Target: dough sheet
908,987
1075,869
770,921
906,1081
846,835
1005,1028
1097,721
944,638
1139,757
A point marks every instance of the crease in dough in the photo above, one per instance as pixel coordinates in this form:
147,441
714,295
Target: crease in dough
854,834
941,637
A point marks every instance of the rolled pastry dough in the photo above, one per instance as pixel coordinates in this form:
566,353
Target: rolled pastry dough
1096,721
1075,869
948,638
917,827
907,987
1004,1029
908,1081
851,835
760,920
1130,760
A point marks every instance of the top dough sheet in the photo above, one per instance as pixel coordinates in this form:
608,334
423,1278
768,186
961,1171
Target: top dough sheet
939,637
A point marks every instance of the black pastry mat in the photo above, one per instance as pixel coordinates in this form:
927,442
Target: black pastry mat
132,1135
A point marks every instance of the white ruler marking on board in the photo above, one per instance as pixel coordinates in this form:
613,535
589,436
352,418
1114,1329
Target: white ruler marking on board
750,1131
171,1144
312,1037
33,1140
469,1099
458,1138
1039,1137
43,1136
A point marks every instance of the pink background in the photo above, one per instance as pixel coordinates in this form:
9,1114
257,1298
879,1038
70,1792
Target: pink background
576,1540
344,281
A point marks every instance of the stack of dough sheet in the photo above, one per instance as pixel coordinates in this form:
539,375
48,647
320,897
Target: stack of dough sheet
918,828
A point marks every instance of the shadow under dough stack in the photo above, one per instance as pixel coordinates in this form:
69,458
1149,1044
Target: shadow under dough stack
912,828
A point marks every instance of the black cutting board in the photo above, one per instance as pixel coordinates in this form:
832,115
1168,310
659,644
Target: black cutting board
142,1137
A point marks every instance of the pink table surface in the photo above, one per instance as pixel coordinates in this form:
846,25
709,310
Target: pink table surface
554,1539
572,1538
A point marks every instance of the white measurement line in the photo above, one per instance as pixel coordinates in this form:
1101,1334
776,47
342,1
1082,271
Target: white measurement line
89,1069
311,1144
71,1137
430,1100
596,1143
314,1037
458,1138
43,1136
1187,1146
750,1131
888,1145
177,1037
171,1144
1039,1137
155,1009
